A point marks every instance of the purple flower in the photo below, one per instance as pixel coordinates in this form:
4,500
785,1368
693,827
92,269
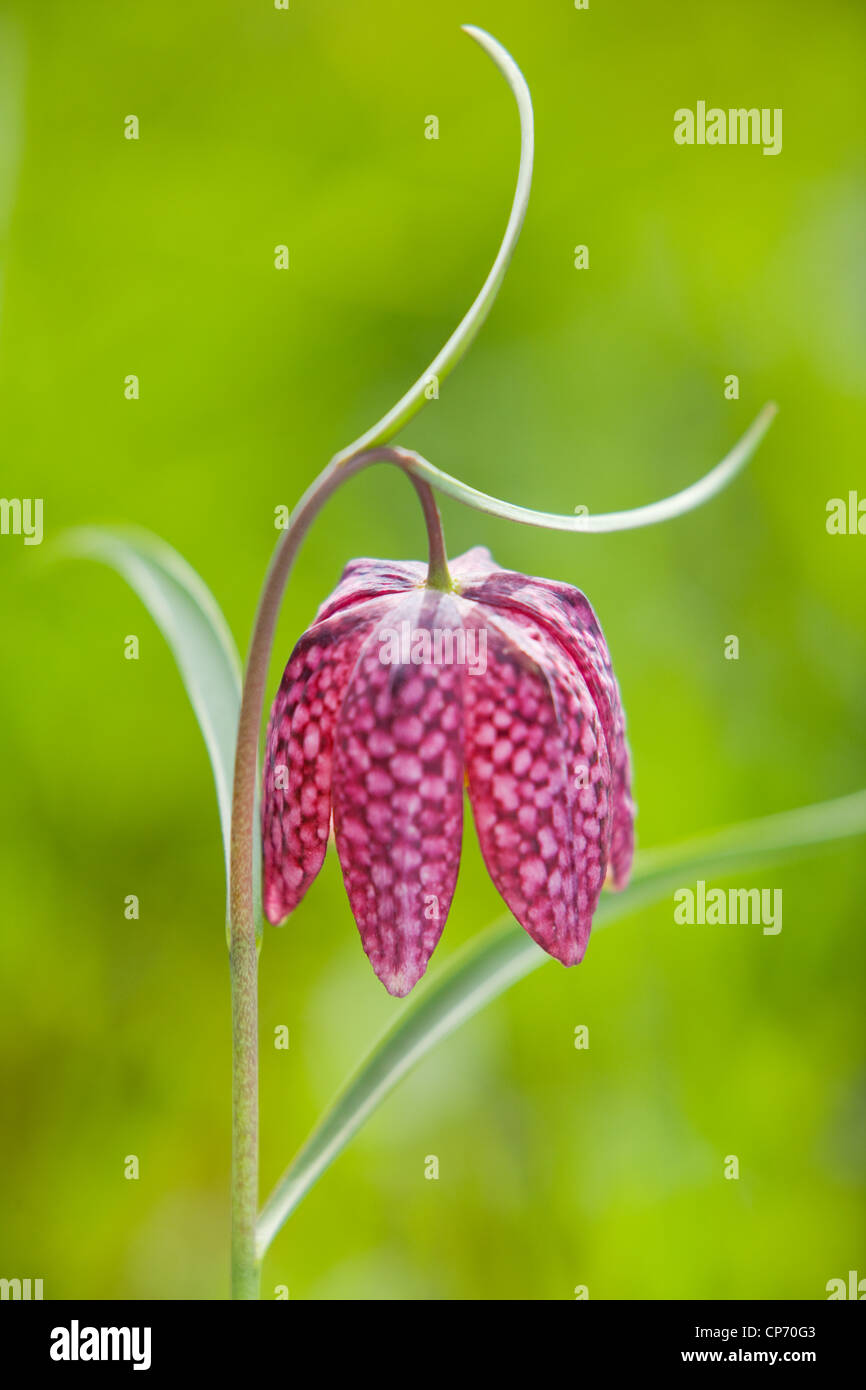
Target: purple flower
397,696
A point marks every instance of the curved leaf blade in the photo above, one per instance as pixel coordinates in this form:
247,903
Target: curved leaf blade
192,623
502,956
470,325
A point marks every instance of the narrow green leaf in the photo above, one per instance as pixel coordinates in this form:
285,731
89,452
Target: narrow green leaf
504,955
695,495
466,331
192,624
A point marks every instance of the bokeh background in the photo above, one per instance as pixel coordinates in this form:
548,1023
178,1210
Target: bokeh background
601,387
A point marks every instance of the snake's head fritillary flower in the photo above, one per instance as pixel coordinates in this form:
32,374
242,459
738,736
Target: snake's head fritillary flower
398,696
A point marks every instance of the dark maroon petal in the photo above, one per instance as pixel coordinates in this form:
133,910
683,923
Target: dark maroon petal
296,790
398,789
567,617
539,780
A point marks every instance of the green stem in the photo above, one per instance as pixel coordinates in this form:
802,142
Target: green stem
243,952
245,1118
438,575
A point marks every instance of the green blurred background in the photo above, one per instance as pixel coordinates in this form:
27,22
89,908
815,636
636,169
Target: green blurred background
601,387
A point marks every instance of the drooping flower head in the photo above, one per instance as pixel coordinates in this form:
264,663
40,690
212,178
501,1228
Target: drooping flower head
376,728
398,696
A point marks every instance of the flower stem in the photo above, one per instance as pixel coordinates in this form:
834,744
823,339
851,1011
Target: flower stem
243,953
438,576
245,1118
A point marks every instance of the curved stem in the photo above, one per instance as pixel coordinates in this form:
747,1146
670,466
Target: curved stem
243,952
438,576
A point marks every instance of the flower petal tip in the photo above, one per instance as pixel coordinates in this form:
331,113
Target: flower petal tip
400,980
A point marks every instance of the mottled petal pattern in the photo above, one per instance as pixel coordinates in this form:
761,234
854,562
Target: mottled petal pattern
567,616
296,790
539,781
398,788
393,695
